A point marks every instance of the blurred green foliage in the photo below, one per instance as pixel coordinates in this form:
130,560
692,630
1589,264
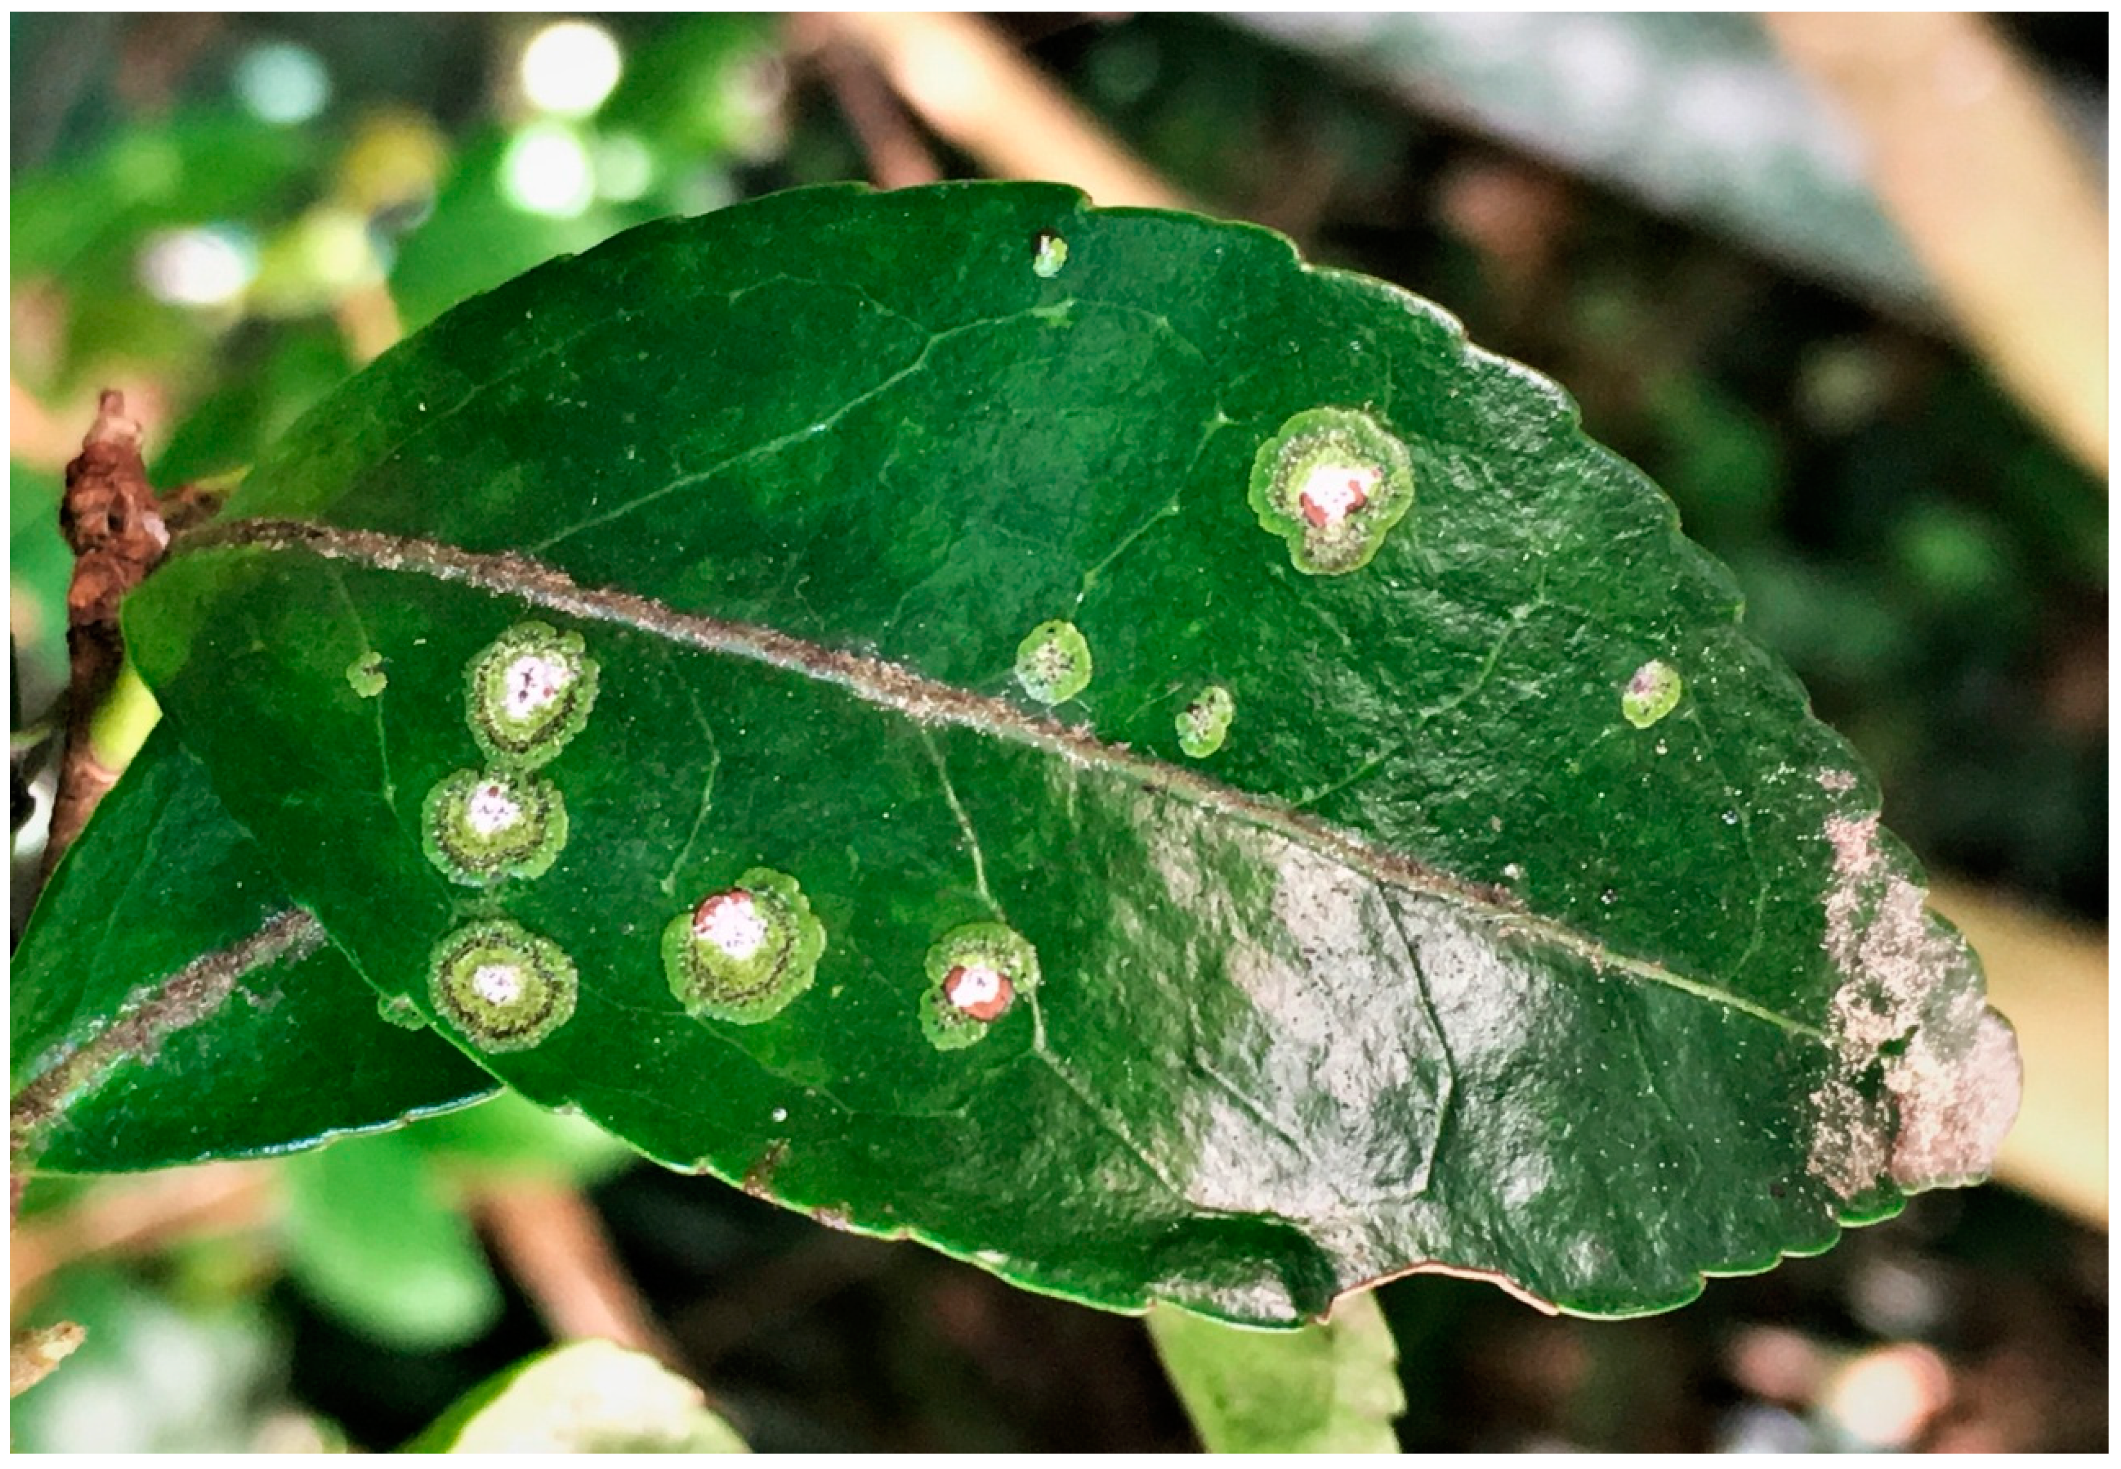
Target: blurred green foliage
209,204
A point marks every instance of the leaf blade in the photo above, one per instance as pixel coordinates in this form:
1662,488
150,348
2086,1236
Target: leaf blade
1434,803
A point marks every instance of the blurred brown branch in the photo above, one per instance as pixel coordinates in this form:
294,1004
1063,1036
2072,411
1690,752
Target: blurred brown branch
973,88
140,1214
1991,194
553,1244
2049,979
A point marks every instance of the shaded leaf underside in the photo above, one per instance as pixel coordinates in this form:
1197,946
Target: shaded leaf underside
1439,963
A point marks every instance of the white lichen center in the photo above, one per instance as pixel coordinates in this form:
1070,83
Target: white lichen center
498,984
532,682
732,923
1052,663
1333,492
980,990
490,809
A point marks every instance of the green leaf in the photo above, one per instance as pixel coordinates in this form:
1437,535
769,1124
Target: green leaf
1438,961
170,1005
588,1397
1330,1389
39,568
371,1237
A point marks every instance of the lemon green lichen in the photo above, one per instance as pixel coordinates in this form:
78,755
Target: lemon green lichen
1331,482
481,826
502,986
365,675
529,693
1053,662
1205,721
974,975
744,954
399,1010
1653,692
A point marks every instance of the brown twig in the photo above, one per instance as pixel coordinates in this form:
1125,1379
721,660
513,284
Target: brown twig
896,156
976,90
118,529
112,521
2049,978
550,1240
138,1215
36,1350
1995,199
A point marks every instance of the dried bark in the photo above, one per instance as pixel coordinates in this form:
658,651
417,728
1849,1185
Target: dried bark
119,530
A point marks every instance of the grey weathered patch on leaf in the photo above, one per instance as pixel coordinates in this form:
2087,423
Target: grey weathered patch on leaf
1349,1115
1910,1003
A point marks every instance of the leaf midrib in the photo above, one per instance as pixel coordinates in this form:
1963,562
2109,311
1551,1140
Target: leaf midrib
929,702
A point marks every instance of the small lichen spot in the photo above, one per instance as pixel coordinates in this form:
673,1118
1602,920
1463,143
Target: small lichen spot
1049,252
1053,662
529,694
365,675
399,1010
744,954
480,827
974,975
503,986
1205,721
1652,693
1332,482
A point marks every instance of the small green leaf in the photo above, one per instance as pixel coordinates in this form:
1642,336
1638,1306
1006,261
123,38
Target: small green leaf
171,1005
371,1238
588,1397
1329,1389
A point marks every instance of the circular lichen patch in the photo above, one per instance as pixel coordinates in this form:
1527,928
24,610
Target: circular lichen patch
1332,482
481,826
1652,692
399,1010
1053,662
365,675
529,693
503,986
974,975
1205,721
745,953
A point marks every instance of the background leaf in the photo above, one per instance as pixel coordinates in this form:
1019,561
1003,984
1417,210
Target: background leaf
588,1397
1442,960
1327,1389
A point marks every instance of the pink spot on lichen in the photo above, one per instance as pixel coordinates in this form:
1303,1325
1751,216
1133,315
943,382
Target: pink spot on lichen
732,922
979,990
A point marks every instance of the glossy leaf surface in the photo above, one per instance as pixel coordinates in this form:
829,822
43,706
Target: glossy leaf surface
1449,956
